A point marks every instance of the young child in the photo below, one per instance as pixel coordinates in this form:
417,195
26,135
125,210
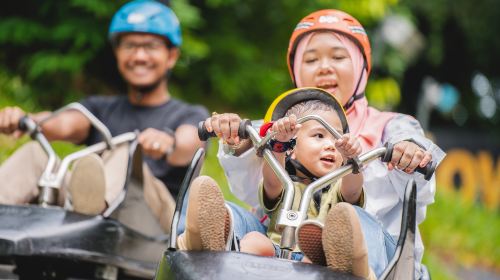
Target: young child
315,154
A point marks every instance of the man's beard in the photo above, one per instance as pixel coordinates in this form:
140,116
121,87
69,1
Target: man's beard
146,89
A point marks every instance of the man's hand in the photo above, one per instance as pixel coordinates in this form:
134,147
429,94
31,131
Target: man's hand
155,143
9,121
406,156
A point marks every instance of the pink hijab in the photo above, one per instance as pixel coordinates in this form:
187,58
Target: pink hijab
365,122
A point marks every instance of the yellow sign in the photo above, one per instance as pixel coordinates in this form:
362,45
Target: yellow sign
479,176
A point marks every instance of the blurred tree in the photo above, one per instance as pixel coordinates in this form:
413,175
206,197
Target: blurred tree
233,52
460,42
49,44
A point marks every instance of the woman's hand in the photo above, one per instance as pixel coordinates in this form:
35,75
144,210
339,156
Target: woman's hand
407,156
285,128
225,126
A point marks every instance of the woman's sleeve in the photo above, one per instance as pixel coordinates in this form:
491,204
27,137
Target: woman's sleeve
243,173
404,127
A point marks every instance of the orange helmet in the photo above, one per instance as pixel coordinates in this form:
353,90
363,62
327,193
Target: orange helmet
330,20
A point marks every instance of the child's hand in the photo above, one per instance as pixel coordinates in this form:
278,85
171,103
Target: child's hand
286,128
225,126
348,146
406,156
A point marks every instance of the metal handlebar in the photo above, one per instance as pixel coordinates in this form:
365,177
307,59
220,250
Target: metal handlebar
95,122
47,195
51,179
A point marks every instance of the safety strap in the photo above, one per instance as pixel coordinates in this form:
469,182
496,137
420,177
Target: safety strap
355,96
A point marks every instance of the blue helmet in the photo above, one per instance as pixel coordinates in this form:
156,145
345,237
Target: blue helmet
146,16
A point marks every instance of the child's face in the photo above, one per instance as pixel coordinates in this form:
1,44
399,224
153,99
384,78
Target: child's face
315,148
327,64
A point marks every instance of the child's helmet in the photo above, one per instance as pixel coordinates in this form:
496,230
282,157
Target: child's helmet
146,16
330,20
288,99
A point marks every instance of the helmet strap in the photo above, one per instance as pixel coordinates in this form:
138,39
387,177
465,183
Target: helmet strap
293,165
355,96
298,166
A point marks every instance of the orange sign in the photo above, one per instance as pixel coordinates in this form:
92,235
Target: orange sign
474,176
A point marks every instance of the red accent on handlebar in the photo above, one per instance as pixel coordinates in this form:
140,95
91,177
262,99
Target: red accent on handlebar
264,128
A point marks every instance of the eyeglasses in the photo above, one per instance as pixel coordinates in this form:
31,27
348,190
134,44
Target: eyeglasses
150,47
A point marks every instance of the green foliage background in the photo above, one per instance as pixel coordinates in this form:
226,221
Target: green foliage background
233,52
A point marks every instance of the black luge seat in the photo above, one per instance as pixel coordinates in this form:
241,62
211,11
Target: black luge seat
191,265
31,234
53,241
402,265
40,240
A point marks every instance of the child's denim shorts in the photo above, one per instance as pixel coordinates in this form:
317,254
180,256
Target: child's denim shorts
296,256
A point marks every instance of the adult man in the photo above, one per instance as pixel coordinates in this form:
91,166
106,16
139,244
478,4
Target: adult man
146,37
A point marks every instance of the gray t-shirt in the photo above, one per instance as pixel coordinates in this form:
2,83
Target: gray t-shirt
120,116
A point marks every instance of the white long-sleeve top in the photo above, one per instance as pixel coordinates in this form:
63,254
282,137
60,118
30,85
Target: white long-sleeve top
384,189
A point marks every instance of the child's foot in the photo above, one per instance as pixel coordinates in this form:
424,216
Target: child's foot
87,185
207,221
343,241
310,242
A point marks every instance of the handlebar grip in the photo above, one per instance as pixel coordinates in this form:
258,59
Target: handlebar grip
23,126
242,130
203,134
27,125
427,170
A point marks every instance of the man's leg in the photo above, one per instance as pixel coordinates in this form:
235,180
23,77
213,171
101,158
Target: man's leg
154,192
20,173
158,198
95,181
115,170
87,185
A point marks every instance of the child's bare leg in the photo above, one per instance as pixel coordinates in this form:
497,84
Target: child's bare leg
207,219
257,243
